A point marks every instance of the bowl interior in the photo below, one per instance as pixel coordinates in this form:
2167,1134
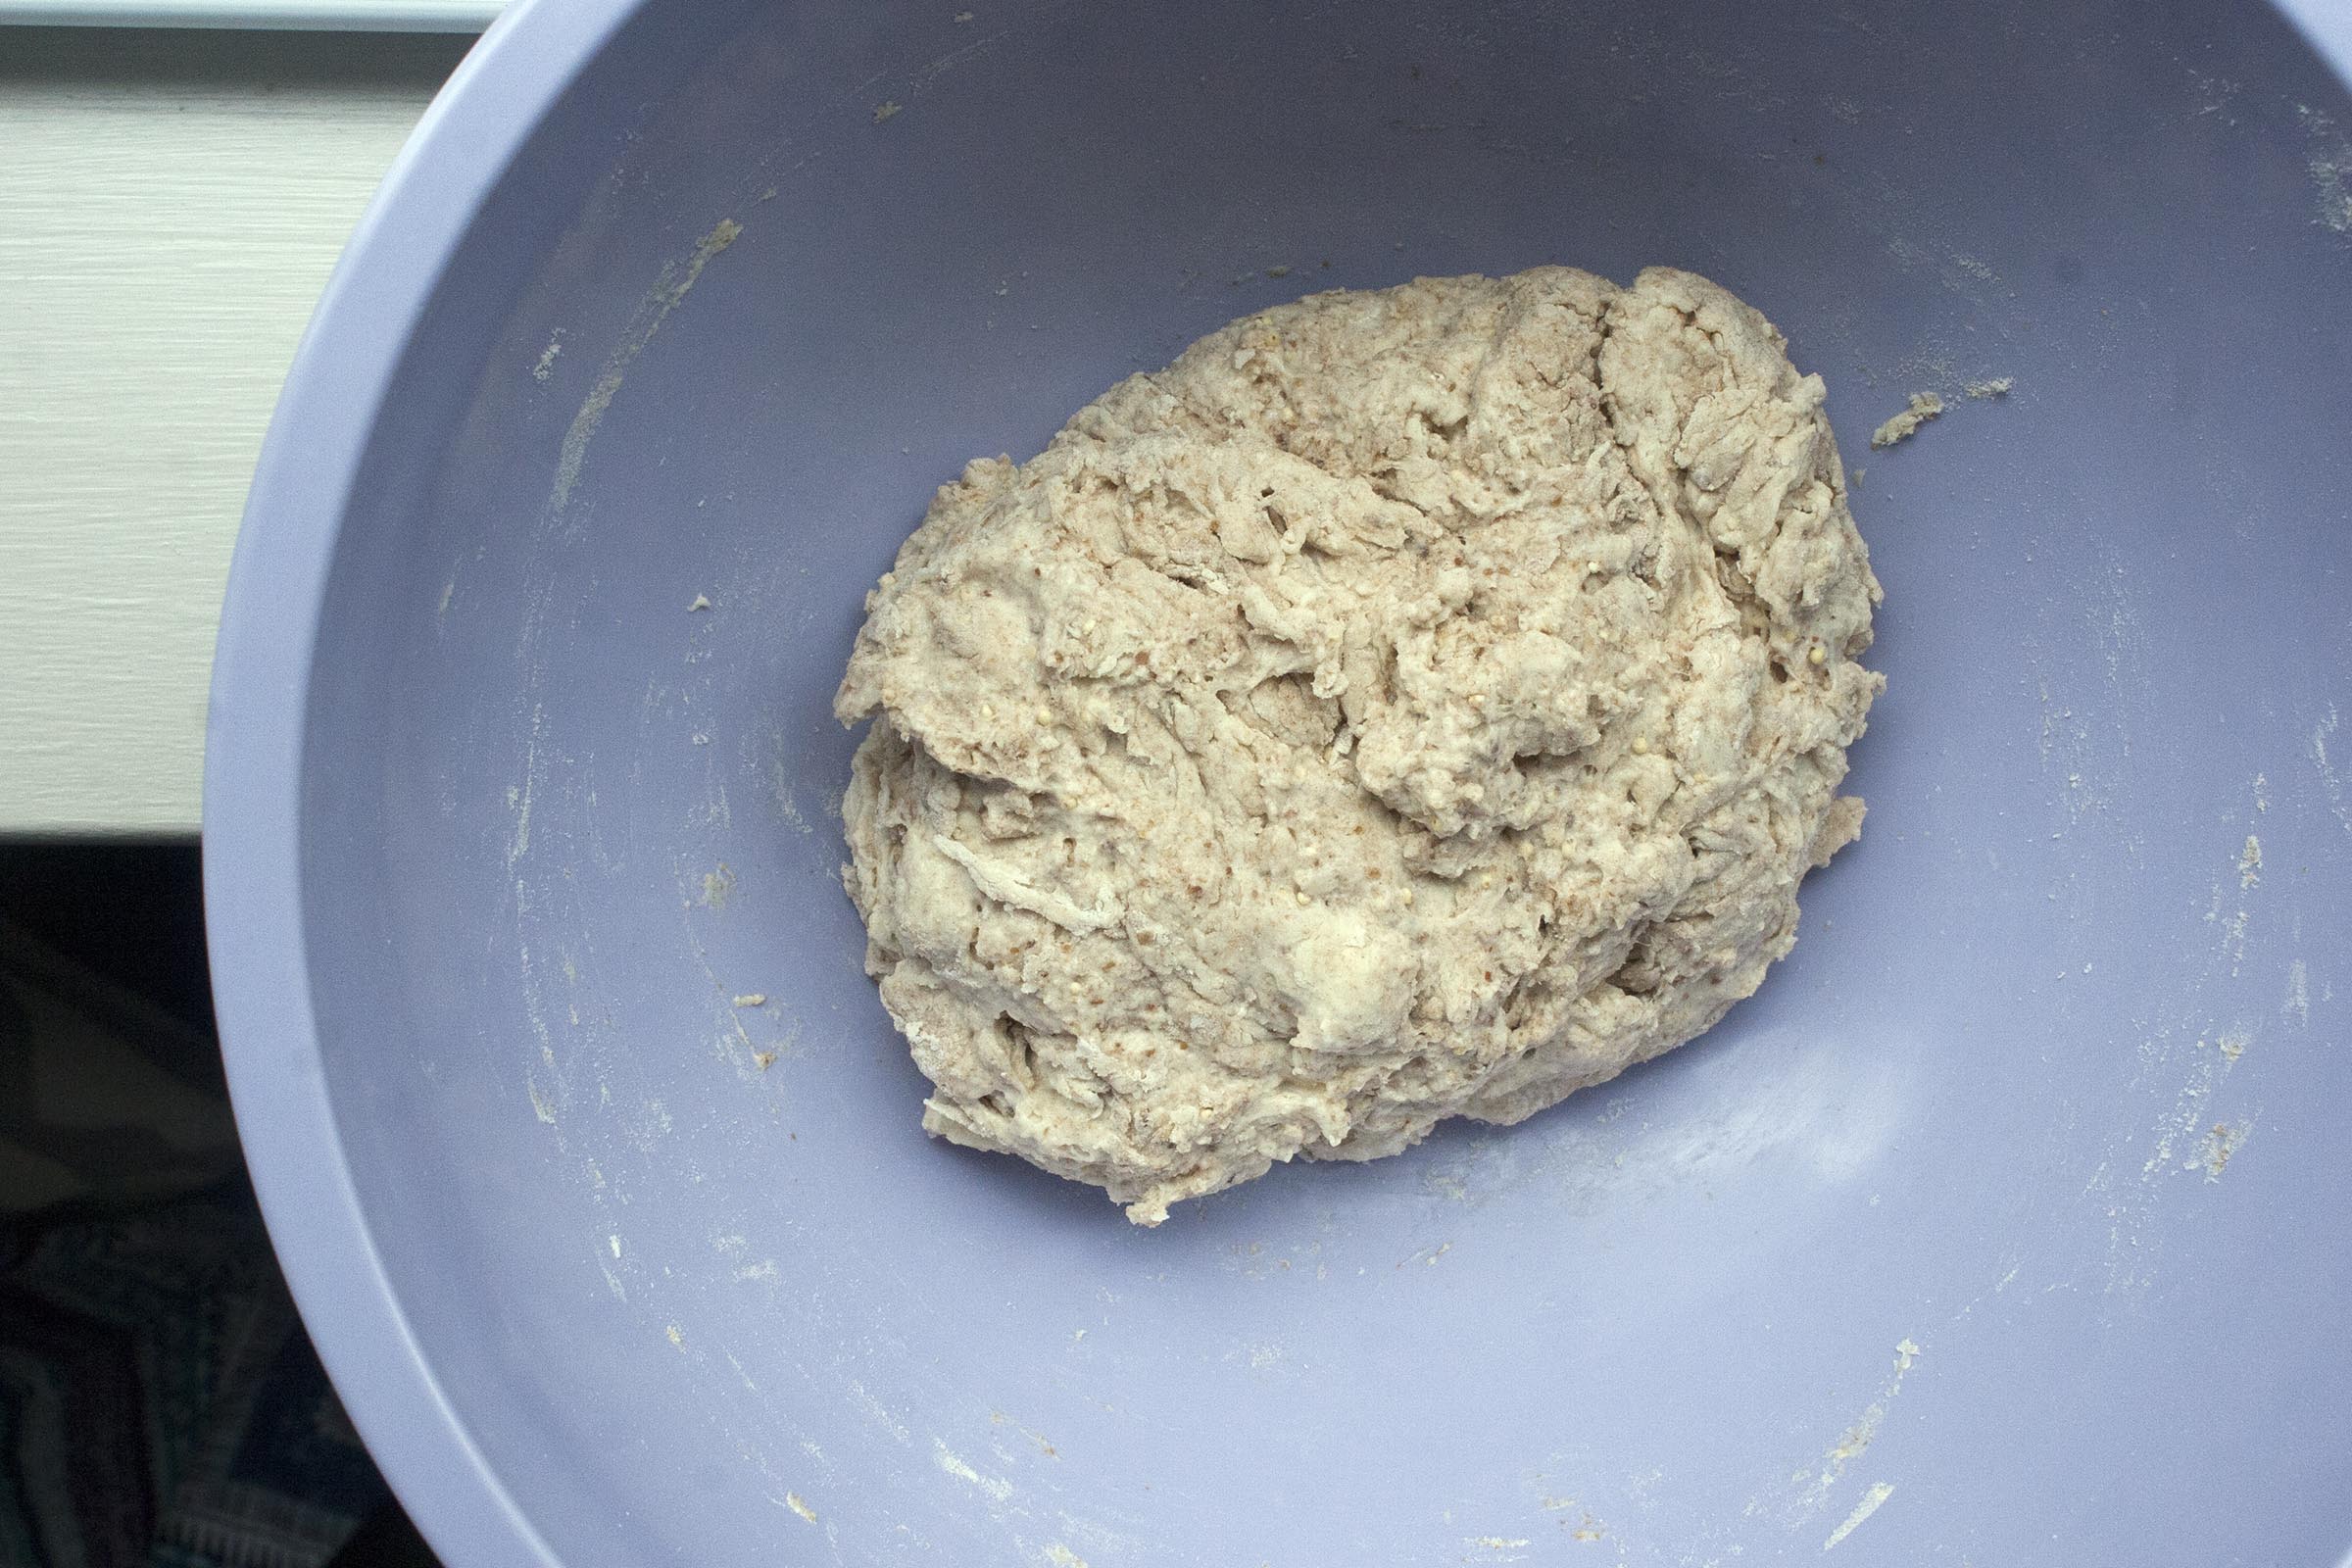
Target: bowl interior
2046,1097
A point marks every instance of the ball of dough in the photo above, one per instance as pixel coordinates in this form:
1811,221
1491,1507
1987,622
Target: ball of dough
1407,705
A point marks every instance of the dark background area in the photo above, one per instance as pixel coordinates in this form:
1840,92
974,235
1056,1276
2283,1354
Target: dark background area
99,1282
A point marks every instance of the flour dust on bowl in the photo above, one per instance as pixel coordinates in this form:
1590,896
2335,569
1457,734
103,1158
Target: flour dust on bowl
1985,1232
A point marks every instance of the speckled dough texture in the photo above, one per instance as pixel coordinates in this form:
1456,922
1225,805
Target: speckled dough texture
1407,705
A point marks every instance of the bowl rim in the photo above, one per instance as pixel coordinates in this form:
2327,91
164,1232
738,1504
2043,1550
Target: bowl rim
2327,29
303,486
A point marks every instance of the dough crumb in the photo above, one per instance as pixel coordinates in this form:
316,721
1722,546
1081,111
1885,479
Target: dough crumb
1407,705
885,110
1998,387
1925,406
701,602
752,998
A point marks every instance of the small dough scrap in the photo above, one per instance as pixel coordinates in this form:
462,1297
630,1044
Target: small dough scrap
1407,705
1925,406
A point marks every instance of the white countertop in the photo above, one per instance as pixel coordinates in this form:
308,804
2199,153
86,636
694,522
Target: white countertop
171,205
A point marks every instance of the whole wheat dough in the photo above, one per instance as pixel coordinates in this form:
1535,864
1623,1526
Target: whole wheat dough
1407,705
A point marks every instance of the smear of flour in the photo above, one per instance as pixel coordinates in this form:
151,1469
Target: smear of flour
2221,1141
948,1461
2214,1060
1043,1443
2197,1125
780,771
2331,780
519,797
2330,167
671,288
2215,95
877,1412
1870,1501
2177,1143
1857,1436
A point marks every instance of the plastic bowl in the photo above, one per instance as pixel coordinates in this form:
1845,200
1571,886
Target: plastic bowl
2000,1227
